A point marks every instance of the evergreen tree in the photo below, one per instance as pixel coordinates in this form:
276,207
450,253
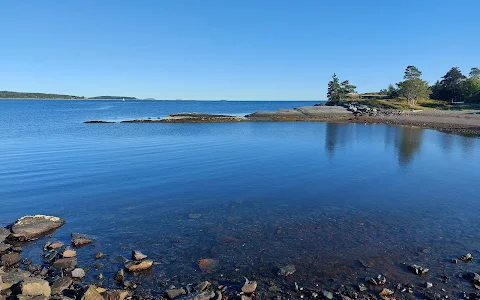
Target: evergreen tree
333,93
474,73
413,87
452,84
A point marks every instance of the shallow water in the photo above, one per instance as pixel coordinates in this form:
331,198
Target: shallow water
321,196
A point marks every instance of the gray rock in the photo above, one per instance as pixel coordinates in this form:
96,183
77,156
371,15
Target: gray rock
13,277
137,255
327,295
202,286
90,293
31,227
200,296
4,233
287,270
362,287
174,293
35,287
11,259
466,258
60,285
416,269
78,273
249,286
120,276
115,295
4,248
65,263
79,240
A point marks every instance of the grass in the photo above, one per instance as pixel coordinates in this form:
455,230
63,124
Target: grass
401,104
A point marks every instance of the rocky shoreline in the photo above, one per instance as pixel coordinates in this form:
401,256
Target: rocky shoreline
457,122
59,276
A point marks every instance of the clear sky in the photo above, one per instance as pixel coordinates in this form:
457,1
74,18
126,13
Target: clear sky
230,49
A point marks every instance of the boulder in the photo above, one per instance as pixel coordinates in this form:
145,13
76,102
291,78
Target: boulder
79,240
4,248
139,266
137,255
35,287
31,227
60,285
13,277
4,233
68,253
11,259
115,295
65,263
90,293
78,273
55,246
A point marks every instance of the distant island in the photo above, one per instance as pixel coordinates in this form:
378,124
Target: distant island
112,98
21,95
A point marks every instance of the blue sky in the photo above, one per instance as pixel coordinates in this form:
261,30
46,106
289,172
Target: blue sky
230,49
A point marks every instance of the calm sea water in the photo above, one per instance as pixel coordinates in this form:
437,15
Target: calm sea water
321,196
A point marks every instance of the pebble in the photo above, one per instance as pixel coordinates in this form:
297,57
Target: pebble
249,286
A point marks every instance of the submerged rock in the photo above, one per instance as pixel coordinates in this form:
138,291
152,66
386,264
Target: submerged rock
416,269
207,264
249,286
65,263
79,240
174,293
466,257
35,287
137,255
287,270
139,266
386,293
61,284
31,227
120,276
200,296
202,286
98,255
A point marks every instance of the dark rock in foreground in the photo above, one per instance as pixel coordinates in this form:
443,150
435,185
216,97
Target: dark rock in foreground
31,227
4,233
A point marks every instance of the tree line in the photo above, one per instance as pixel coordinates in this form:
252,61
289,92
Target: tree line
453,87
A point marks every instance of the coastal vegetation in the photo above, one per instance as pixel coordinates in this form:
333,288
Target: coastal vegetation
453,91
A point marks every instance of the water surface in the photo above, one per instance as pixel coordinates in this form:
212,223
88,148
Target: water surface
322,196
